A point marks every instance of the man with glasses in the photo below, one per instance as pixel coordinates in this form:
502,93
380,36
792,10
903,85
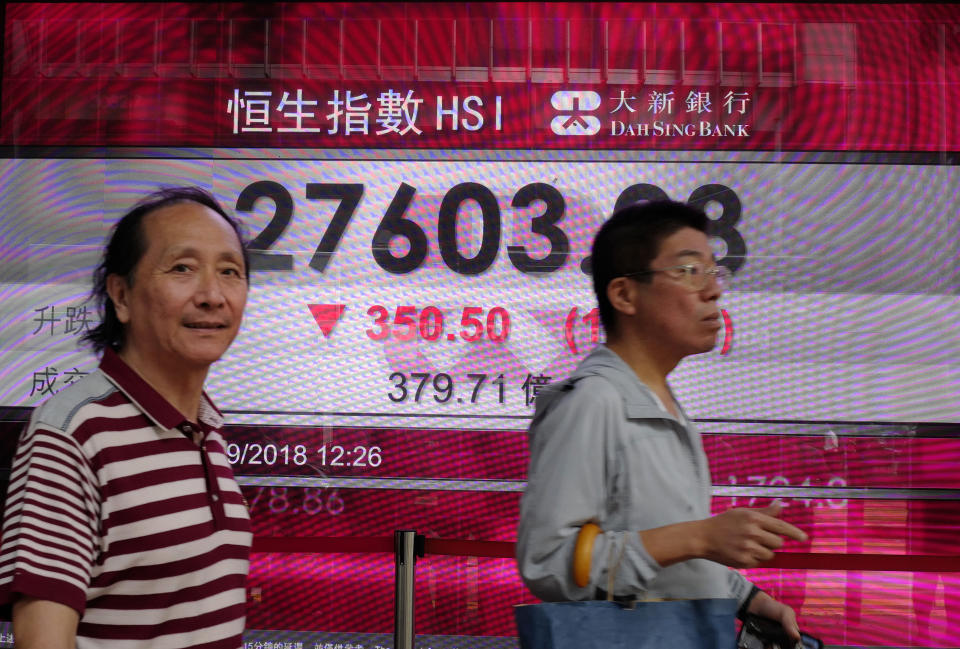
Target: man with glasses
611,445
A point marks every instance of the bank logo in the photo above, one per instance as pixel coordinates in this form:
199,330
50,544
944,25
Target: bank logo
572,121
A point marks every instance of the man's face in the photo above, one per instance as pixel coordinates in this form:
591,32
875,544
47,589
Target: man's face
670,313
185,303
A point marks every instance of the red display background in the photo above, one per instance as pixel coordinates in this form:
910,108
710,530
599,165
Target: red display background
128,74
474,595
893,462
822,77
464,595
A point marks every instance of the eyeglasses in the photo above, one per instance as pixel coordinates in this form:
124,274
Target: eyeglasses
695,276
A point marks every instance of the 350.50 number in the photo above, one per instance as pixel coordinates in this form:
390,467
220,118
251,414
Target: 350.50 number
395,224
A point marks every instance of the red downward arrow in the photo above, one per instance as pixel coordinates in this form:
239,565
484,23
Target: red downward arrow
327,316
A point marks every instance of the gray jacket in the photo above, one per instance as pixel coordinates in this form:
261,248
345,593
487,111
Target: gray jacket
604,450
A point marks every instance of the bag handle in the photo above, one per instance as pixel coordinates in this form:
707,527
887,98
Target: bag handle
583,553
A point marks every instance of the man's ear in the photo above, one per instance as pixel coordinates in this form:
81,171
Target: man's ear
119,291
621,293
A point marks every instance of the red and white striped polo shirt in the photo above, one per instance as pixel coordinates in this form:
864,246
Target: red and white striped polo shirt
119,508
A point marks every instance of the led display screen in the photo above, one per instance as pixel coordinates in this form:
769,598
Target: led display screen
420,186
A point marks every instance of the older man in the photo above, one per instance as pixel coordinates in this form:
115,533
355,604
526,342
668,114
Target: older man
612,446
124,526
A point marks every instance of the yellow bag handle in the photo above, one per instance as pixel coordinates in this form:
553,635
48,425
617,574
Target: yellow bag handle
583,553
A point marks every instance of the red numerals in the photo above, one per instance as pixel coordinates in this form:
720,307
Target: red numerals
469,320
381,319
405,317
408,322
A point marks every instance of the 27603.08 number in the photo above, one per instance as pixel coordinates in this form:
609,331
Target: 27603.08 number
397,223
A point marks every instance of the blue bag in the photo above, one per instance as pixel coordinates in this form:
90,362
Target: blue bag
671,624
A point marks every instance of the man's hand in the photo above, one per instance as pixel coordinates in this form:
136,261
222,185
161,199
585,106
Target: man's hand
741,538
765,606
744,538
42,624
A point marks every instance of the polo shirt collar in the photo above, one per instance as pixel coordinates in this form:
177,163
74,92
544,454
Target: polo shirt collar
151,402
